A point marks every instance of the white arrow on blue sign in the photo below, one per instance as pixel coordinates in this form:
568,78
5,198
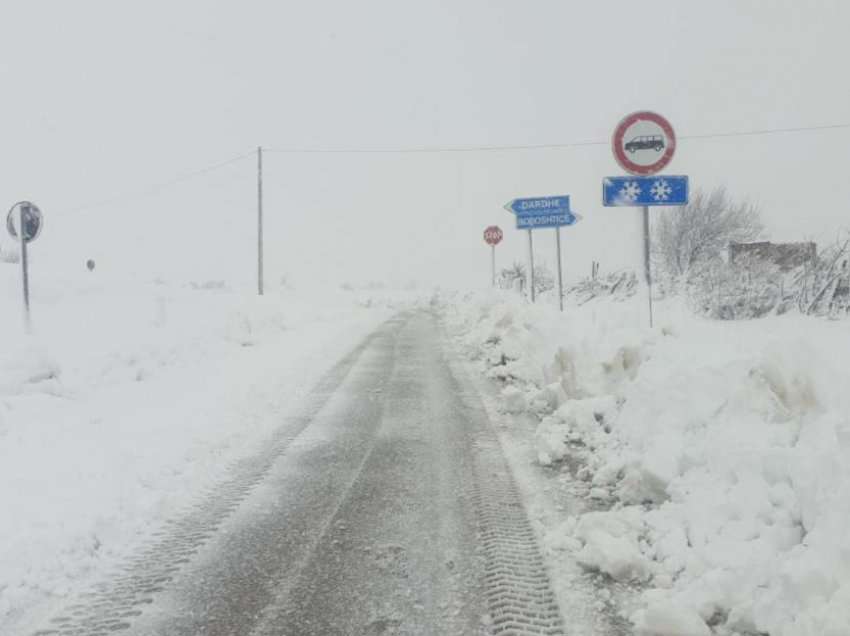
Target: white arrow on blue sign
641,191
546,220
542,212
539,205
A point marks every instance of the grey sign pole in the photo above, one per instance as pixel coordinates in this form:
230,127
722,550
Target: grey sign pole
560,279
493,265
647,271
260,220
29,220
24,210
531,266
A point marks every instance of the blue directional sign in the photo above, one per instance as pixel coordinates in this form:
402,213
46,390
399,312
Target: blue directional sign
542,212
640,191
539,205
545,220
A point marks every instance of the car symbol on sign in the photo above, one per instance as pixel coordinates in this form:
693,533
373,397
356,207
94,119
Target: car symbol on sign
645,142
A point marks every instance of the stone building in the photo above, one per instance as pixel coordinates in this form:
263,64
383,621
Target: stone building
786,256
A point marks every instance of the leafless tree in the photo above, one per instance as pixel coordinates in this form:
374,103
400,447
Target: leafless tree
693,236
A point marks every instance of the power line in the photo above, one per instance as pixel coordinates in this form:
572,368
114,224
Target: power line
767,131
467,149
154,189
424,150
158,187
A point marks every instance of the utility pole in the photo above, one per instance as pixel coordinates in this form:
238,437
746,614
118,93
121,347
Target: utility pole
260,220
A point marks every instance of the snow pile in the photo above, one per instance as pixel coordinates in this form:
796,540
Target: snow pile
719,454
130,398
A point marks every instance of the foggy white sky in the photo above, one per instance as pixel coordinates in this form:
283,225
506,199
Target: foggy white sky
104,98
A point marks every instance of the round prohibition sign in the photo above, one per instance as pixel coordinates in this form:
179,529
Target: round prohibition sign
32,220
493,235
644,143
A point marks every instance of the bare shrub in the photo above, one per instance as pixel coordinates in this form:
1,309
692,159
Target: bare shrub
512,277
820,284
619,285
752,287
691,238
742,290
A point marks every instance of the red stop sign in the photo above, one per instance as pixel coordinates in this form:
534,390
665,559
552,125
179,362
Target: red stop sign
493,235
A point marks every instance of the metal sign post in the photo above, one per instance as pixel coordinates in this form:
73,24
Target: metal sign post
493,236
24,222
560,281
25,264
260,220
531,265
643,144
647,270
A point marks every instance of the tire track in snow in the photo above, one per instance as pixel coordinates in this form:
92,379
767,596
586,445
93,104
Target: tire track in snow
111,606
513,581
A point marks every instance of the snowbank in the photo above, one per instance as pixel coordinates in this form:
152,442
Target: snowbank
129,398
719,452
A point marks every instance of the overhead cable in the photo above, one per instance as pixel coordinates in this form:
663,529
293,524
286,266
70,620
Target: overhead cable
154,189
158,187
506,148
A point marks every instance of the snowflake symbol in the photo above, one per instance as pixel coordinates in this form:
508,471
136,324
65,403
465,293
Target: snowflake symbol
661,190
630,191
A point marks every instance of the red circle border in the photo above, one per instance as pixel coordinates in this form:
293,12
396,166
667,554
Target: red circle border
620,154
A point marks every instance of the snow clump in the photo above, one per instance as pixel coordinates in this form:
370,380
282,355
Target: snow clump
725,447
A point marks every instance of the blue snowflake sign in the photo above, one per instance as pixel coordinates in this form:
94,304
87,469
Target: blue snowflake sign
638,191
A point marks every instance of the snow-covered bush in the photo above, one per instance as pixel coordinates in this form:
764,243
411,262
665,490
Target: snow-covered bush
515,277
817,282
512,277
618,285
728,291
544,279
751,287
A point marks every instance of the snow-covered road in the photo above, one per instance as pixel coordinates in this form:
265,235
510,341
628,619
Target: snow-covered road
382,505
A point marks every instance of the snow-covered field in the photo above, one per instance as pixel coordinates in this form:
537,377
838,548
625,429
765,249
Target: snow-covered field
716,455
129,398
